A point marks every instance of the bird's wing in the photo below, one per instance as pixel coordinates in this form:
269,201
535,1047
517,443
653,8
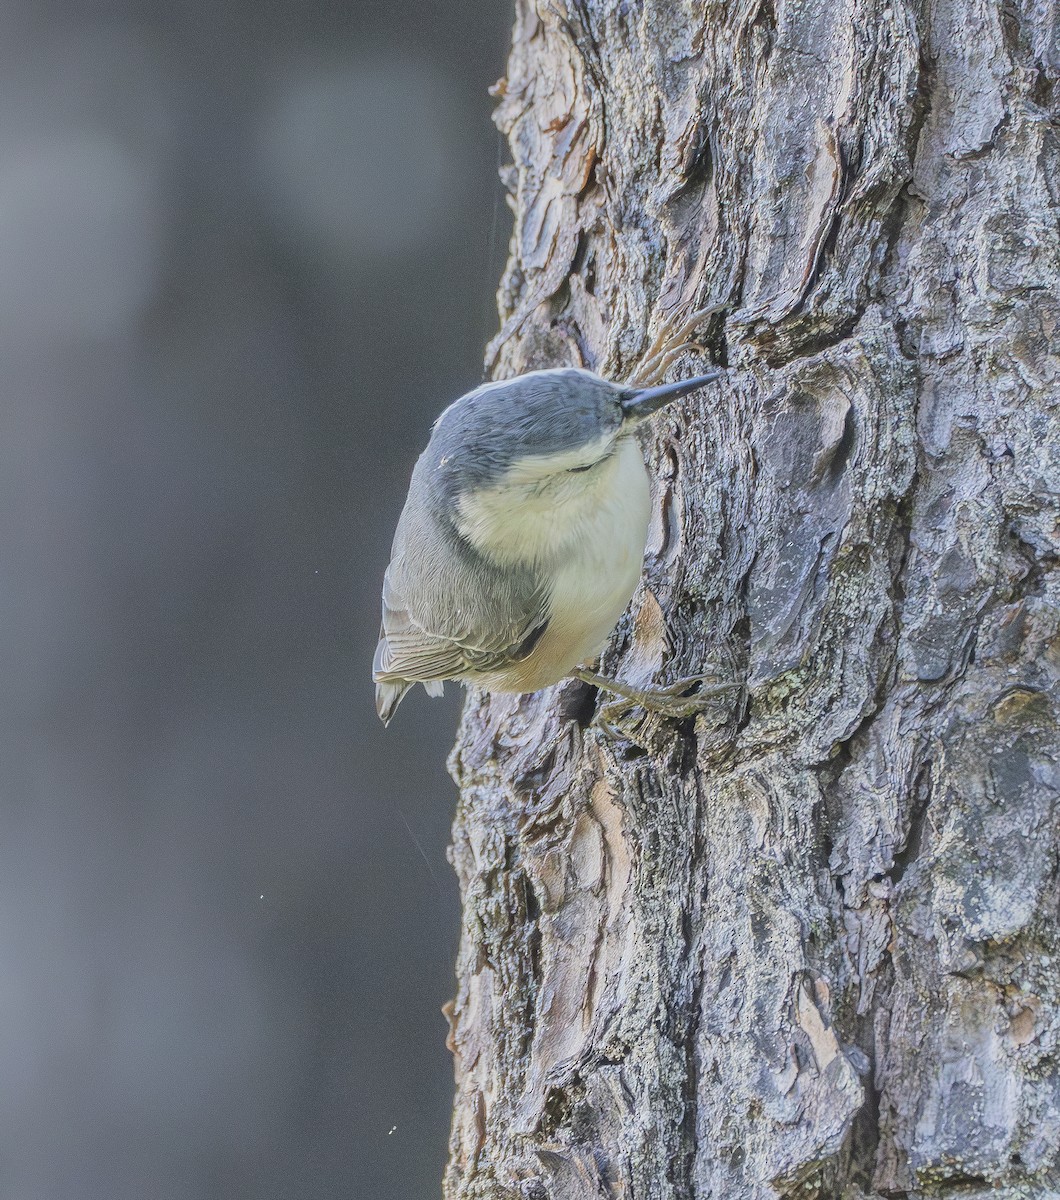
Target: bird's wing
406,650
449,641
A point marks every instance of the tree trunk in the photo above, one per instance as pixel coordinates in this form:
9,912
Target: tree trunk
807,943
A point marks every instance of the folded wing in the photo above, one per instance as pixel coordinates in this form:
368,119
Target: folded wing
450,618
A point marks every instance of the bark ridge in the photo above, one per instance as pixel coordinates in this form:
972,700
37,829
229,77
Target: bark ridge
806,946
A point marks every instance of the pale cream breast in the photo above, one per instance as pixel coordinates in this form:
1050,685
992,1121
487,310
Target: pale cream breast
601,529
532,514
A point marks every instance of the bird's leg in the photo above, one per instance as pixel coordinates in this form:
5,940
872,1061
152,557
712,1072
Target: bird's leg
677,700
673,340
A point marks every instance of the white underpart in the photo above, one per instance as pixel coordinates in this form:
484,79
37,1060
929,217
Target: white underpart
585,532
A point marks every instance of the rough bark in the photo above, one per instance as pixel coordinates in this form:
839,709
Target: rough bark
806,944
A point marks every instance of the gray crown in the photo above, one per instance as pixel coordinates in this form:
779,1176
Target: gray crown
479,437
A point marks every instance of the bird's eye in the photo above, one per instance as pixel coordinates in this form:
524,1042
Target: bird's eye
578,470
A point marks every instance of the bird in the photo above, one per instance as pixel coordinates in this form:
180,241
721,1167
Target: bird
522,538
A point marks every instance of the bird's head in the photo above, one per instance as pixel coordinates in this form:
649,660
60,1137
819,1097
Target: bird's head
541,426
540,443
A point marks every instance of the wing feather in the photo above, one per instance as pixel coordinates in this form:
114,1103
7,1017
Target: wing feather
448,613
409,650
406,650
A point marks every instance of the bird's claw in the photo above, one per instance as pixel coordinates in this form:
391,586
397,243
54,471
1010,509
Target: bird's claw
675,701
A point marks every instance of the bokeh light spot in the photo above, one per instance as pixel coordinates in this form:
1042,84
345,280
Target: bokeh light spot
79,221
358,160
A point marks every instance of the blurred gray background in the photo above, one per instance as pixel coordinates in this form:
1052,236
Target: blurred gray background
245,257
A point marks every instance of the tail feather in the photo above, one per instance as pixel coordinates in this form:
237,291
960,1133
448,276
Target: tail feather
389,694
387,697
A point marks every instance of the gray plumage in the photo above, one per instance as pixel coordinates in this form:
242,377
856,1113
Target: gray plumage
480,436
503,553
466,616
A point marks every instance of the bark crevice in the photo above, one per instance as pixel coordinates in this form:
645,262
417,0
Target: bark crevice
802,946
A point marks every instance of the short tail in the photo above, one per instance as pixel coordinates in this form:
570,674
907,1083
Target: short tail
389,695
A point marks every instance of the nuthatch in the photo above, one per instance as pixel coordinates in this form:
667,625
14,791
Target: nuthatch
522,539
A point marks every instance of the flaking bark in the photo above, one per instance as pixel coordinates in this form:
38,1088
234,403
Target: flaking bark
807,944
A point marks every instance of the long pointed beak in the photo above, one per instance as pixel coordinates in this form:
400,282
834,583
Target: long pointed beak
638,405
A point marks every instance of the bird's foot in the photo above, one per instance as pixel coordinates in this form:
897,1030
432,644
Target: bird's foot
677,701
